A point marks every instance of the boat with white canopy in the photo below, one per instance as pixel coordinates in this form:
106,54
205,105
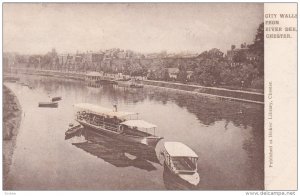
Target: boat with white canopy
181,161
119,124
93,76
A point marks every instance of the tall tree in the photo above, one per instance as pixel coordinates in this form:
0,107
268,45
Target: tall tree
257,48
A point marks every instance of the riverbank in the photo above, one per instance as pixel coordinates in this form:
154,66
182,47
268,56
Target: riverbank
216,92
221,93
11,122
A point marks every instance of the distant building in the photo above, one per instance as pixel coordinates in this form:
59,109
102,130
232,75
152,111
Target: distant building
189,74
173,72
216,52
92,57
79,58
64,59
231,53
250,56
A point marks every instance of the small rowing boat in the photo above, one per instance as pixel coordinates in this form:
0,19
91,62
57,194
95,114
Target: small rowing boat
48,104
56,99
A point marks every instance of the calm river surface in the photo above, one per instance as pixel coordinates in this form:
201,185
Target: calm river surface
227,136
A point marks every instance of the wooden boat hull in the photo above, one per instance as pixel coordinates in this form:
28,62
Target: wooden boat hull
48,105
148,141
175,181
56,99
73,130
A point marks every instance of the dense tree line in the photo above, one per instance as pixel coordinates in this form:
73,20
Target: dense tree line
210,68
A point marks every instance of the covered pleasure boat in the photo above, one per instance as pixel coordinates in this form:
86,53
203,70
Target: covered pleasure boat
181,161
118,124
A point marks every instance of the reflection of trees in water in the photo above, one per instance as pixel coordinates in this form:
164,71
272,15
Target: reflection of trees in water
51,85
254,146
115,152
210,110
127,95
207,111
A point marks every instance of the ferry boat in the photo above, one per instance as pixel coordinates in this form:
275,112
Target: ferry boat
93,77
117,124
181,162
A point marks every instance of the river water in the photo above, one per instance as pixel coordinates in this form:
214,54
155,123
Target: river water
228,137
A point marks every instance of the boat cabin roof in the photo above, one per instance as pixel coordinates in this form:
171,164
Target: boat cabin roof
101,111
139,124
178,149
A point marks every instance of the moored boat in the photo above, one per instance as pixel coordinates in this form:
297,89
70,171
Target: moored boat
56,99
73,129
93,77
182,162
117,124
48,104
130,83
136,85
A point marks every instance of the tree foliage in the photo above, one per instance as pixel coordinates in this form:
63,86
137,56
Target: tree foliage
257,48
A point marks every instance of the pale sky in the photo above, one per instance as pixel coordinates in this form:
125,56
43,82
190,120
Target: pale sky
174,27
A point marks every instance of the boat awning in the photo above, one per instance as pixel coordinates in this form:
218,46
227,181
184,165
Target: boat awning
98,110
139,124
178,149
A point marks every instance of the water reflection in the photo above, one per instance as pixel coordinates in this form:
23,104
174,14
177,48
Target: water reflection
122,154
115,152
228,136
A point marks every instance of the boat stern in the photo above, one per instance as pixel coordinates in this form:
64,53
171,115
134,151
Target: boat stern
193,179
151,141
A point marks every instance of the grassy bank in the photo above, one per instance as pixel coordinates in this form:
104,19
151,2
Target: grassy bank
11,122
225,93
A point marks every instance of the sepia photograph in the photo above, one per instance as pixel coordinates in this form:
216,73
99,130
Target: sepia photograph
133,96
